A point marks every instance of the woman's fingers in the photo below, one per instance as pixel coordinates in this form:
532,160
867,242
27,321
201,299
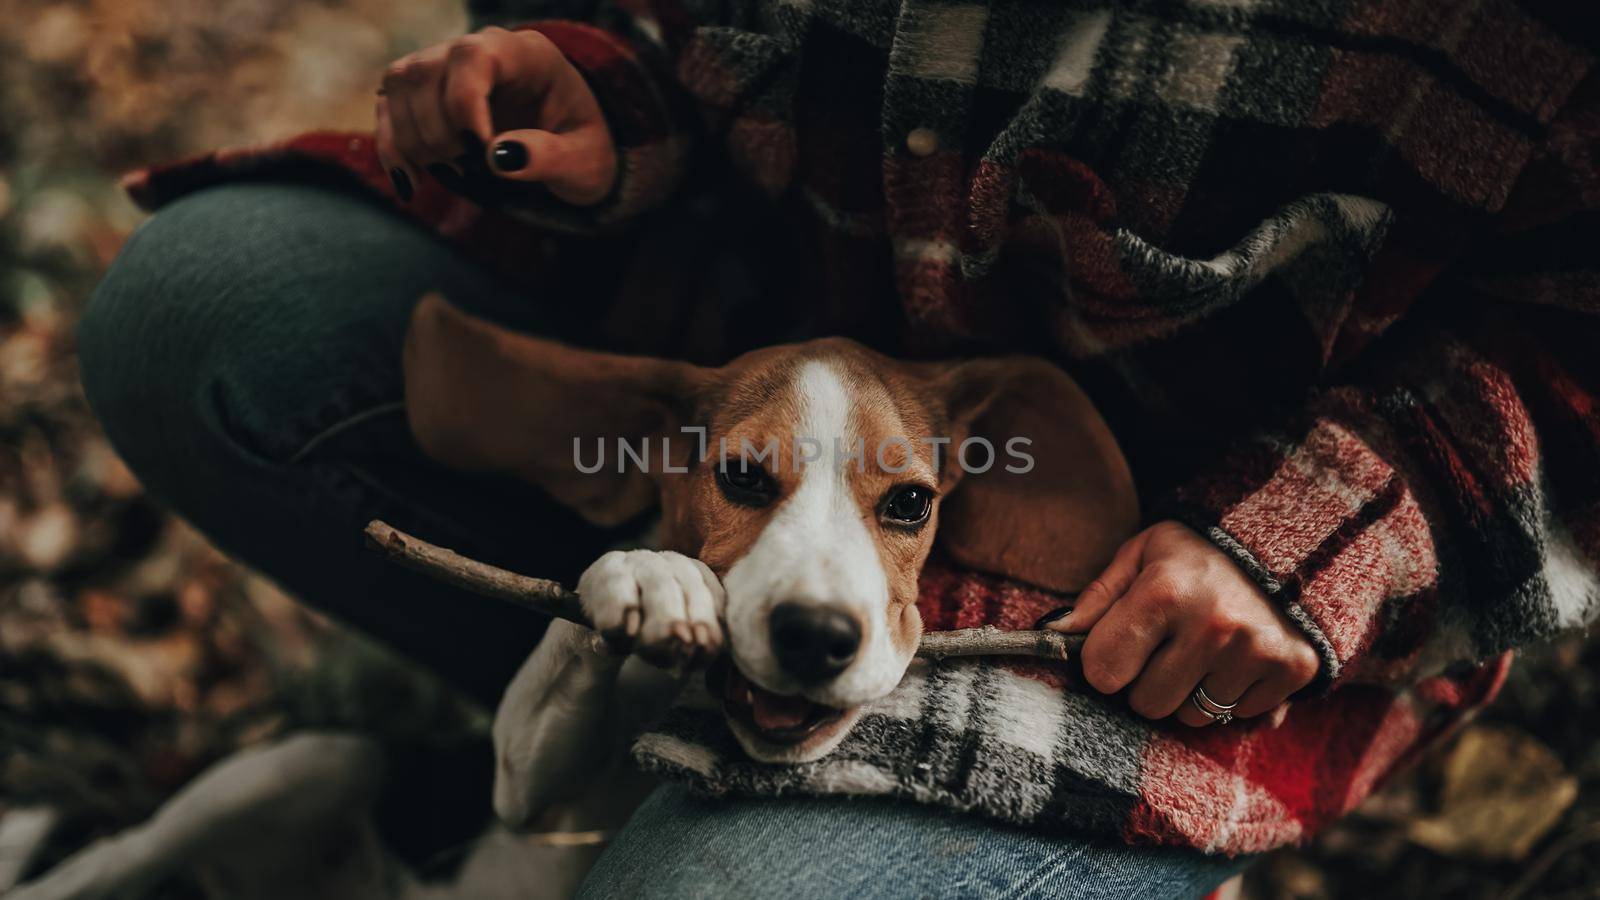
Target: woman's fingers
421,129
568,147
1127,635
412,157
1094,600
1171,613
525,64
388,155
468,82
1225,686
442,101
1285,679
440,141
1262,697
1256,679
577,166
1167,680
527,60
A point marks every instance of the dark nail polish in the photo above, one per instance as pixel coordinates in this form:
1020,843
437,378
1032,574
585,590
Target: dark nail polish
1054,615
510,156
402,184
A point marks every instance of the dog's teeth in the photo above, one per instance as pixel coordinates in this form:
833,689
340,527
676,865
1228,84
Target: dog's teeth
749,696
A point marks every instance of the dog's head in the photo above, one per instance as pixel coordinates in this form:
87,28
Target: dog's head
811,478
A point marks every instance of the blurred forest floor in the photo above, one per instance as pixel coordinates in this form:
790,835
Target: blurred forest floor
132,654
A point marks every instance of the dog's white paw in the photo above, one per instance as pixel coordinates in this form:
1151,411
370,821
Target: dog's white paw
663,605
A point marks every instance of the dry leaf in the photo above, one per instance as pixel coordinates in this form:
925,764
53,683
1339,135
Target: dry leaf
105,611
46,538
1502,791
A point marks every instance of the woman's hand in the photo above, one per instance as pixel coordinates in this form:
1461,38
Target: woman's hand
1171,613
509,96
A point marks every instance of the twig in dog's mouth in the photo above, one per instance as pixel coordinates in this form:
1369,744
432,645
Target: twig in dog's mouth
550,598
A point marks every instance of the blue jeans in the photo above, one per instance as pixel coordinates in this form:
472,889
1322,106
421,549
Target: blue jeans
680,845
243,356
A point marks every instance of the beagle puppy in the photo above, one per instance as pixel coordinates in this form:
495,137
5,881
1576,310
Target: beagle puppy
800,489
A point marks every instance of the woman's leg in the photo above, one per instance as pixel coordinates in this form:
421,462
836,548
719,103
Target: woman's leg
679,845
243,353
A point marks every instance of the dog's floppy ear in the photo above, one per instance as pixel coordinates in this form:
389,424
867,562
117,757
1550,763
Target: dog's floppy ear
482,397
1054,522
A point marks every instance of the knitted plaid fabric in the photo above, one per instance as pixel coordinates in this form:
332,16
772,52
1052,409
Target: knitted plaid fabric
1328,267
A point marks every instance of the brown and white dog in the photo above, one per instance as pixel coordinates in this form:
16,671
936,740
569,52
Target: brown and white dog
800,488
801,561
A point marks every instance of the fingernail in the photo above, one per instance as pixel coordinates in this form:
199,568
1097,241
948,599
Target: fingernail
510,156
402,184
1054,615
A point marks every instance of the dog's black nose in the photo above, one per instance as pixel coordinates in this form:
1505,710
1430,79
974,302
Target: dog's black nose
813,643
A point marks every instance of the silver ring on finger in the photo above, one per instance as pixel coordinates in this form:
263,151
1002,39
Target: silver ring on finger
1219,713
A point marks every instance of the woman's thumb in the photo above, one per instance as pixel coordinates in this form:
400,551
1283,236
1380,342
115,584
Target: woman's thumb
573,168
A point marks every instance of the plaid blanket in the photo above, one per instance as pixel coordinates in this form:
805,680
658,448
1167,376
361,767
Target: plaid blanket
1328,268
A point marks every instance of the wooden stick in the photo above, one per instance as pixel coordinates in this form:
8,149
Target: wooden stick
550,598
992,641
538,594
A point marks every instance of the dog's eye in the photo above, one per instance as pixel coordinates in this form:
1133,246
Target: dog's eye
745,484
908,504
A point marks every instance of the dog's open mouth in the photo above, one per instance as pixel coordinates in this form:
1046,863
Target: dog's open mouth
771,717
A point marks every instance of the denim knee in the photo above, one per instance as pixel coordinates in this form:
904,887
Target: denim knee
138,379
174,347
239,315
243,355
680,845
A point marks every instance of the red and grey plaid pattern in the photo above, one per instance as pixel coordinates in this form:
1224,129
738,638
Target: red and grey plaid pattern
1024,743
1328,267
